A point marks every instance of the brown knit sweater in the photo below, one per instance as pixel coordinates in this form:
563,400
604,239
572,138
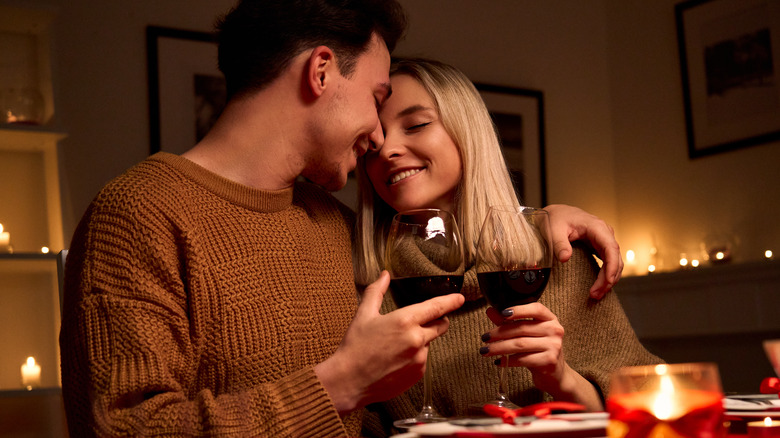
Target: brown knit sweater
598,340
197,306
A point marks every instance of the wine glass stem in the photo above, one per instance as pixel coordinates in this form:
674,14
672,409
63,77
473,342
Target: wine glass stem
502,380
428,411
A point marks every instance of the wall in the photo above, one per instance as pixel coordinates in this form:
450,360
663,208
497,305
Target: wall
661,193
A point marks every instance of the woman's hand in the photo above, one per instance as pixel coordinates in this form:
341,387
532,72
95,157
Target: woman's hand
531,336
570,224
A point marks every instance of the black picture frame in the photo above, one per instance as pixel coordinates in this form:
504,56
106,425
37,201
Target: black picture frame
519,117
730,69
186,89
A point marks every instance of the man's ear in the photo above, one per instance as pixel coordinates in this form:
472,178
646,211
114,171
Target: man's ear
321,67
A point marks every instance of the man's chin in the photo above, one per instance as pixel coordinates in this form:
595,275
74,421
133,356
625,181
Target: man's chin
334,184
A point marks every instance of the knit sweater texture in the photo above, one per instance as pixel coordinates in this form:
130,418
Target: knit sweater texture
598,340
196,306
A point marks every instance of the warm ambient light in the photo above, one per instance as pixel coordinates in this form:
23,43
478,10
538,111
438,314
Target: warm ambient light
44,250
768,253
694,263
651,268
720,255
683,262
630,256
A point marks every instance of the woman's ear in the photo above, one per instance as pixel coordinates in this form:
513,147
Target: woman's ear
321,67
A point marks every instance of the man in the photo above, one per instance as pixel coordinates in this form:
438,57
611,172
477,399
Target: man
211,293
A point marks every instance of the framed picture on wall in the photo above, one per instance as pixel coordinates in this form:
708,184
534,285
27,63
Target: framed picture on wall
519,117
186,89
730,65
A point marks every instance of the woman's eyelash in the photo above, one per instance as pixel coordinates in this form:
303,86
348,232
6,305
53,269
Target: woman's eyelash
418,126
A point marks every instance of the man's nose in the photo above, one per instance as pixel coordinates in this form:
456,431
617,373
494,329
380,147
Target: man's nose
376,139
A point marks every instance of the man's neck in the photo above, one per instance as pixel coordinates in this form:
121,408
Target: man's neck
254,142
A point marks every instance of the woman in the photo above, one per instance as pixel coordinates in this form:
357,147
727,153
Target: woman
441,151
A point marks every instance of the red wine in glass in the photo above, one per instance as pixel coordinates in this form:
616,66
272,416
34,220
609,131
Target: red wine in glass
504,289
412,290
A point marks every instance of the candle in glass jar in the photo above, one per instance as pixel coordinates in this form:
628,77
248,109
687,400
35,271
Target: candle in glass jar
31,374
764,429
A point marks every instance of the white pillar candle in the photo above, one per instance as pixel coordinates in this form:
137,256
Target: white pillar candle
31,374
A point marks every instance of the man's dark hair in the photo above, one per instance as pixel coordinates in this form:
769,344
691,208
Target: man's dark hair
258,38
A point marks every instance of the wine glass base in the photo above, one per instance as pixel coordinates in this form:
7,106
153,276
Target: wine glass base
409,422
477,409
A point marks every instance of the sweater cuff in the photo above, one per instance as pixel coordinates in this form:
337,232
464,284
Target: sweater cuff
306,406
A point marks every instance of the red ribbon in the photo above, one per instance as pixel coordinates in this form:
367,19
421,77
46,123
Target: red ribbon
699,423
770,385
539,410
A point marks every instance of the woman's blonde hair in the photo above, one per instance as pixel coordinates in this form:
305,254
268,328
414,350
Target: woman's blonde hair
485,180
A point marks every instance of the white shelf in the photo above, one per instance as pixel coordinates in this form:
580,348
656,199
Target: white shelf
30,204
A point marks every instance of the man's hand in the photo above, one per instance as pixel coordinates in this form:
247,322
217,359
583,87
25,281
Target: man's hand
381,356
570,224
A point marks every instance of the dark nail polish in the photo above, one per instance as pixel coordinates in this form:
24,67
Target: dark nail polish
507,313
486,337
484,350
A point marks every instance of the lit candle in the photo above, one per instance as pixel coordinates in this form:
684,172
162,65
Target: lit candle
31,374
763,429
768,254
5,239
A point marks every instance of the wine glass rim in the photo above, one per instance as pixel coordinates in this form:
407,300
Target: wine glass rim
417,211
517,208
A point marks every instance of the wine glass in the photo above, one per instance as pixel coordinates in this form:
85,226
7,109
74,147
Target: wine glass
513,263
424,256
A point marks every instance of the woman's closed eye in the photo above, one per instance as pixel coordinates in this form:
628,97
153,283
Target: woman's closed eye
418,126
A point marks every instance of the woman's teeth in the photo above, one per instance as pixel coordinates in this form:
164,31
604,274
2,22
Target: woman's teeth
403,175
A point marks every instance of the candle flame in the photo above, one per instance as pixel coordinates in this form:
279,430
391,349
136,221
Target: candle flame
630,256
664,403
1,228
30,361
767,422
720,255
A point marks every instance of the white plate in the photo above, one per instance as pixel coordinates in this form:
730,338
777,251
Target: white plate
596,422
751,402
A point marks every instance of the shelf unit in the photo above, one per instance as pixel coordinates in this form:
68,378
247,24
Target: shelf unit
30,209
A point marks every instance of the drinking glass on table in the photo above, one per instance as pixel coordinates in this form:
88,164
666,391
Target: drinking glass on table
666,400
424,256
513,262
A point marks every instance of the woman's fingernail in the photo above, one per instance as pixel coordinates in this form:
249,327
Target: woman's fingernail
486,337
484,350
507,313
